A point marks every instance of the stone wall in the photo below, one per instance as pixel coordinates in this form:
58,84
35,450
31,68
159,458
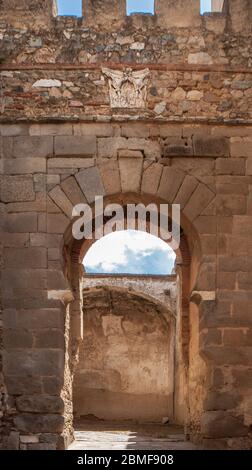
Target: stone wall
126,359
63,140
162,288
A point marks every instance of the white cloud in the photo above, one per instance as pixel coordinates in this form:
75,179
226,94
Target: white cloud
113,250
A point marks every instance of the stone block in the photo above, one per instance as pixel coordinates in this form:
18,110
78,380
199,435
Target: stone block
33,147
39,205
52,339
73,191
91,184
151,178
52,385
89,129
206,224
151,148
15,188
56,280
230,166
33,362
170,183
110,176
108,147
29,439
179,150
130,153
22,166
201,58
185,191
228,355
135,130
234,337
50,129
242,225
35,319
218,424
220,401
17,385
62,201
31,257
38,423
69,163
249,167
200,199
16,240
40,404
130,174
57,223
244,280
12,441
25,278
41,446
12,130
75,145
210,336
231,205
226,280
208,146
17,338
241,147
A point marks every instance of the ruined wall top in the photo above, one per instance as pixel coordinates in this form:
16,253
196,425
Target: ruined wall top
181,65
110,14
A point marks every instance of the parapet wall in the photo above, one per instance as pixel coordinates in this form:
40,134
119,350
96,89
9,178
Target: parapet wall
200,71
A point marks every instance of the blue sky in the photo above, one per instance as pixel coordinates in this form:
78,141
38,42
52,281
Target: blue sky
74,7
129,252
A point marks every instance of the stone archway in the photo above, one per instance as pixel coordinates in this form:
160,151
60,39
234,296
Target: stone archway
129,180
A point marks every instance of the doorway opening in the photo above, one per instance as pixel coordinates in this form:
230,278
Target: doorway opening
126,365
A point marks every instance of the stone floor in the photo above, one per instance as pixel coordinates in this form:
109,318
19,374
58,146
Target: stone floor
114,436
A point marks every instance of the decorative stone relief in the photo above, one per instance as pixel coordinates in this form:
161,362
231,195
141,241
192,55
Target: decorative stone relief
127,89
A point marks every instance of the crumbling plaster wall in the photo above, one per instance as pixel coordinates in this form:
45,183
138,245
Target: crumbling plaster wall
126,359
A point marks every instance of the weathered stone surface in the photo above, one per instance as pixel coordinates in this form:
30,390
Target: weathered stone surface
57,223
230,166
151,178
98,130
73,191
39,362
40,404
24,166
220,401
16,188
12,442
62,201
210,146
76,145
110,176
30,147
91,184
35,319
201,197
130,173
108,147
31,257
170,183
50,129
37,423
187,188
22,385
217,424
199,58
70,163
22,223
